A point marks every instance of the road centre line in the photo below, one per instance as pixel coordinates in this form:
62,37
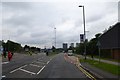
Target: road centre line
27,71
18,68
41,70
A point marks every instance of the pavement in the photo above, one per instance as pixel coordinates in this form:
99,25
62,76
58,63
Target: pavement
98,72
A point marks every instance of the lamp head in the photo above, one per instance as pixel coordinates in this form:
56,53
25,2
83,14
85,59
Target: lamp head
80,6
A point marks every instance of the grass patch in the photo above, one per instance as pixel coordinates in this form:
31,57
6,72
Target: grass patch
114,60
114,69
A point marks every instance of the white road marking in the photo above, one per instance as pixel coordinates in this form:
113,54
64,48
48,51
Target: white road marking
48,62
35,65
22,66
27,71
39,62
3,76
41,70
5,62
18,68
14,70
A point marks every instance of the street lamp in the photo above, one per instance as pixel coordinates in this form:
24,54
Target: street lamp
84,30
55,36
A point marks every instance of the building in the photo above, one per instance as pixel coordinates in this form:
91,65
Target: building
72,45
65,46
110,40
77,44
1,47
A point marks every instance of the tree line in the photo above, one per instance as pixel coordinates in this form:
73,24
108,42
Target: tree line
16,47
91,48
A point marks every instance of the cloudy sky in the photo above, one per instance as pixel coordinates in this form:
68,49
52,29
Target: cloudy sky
33,23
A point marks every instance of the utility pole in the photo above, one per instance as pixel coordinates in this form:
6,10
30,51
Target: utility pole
84,30
55,36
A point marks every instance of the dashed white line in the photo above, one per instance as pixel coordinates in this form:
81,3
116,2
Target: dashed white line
18,68
27,71
3,76
41,70
4,62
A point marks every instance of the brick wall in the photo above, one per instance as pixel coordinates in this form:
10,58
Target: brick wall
115,54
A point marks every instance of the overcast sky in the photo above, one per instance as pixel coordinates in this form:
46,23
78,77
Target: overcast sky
33,23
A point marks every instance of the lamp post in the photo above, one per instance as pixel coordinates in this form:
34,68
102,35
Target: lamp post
55,36
84,30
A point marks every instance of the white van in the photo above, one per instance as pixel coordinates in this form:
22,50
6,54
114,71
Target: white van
70,53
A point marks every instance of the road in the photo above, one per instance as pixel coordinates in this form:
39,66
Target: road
41,66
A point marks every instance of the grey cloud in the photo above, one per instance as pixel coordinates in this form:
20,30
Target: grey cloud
33,23
119,11
18,21
16,5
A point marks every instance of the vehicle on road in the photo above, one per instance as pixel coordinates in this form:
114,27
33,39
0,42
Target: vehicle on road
70,53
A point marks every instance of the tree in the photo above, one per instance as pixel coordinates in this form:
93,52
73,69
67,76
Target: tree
26,48
12,46
53,48
91,47
80,49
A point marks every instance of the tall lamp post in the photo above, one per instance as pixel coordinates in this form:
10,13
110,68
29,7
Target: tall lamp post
55,36
84,30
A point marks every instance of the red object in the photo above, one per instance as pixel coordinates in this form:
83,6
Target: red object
9,56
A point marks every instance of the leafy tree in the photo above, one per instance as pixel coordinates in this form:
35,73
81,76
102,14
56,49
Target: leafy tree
26,47
80,49
12,46
53,48
91,46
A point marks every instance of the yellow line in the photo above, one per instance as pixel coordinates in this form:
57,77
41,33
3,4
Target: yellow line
85,72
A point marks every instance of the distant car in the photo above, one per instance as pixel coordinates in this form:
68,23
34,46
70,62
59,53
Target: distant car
70,53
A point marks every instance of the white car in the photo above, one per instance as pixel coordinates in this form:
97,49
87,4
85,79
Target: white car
70,53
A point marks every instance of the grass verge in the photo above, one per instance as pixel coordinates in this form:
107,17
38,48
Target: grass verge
105,58
114,69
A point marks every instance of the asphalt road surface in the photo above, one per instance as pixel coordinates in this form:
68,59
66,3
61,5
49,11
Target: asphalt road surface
41,66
